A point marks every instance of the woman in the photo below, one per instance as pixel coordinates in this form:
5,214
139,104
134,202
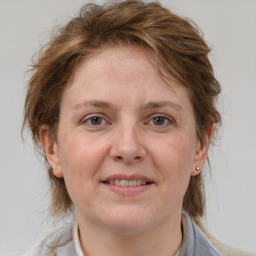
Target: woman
122,105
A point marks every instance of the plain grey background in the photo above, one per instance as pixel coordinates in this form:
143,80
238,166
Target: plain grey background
229,28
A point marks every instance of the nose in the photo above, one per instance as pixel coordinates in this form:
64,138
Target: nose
128,145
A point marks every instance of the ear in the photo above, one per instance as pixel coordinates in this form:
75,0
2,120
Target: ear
201,151
51,150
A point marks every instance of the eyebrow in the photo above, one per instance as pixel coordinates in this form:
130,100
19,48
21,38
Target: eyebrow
161,104
147,106
93,103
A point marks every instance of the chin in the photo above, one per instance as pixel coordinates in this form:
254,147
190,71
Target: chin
129,222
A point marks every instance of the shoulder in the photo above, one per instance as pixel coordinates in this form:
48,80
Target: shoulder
195,241
59,241
224,249
227,250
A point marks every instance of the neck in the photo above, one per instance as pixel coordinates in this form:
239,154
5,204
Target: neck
162,240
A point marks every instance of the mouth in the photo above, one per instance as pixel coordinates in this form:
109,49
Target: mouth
127,183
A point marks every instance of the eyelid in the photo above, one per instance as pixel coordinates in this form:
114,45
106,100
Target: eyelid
167,117
85,119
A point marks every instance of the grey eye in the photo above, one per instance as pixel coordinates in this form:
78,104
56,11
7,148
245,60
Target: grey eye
96,120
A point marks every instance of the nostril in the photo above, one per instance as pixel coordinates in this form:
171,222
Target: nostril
127,154
128,159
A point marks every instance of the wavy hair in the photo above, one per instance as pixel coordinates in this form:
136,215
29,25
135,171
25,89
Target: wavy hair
179,50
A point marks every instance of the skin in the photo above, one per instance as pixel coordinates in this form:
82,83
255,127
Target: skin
141,127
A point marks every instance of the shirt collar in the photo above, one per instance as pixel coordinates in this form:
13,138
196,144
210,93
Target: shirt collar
77,241
78,245
194,241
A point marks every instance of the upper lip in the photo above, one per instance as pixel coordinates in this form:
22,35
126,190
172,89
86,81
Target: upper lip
127,177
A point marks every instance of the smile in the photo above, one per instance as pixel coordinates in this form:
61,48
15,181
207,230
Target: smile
127,183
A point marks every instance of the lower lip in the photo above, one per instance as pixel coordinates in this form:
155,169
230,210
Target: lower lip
128,191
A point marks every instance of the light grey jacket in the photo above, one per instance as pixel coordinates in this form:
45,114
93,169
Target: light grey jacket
195,243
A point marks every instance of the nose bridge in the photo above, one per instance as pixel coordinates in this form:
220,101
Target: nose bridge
128,142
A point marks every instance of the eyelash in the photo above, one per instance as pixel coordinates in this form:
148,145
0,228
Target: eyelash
167,120
89,119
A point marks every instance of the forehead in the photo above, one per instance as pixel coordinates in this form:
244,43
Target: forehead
127,57
129,68
120,62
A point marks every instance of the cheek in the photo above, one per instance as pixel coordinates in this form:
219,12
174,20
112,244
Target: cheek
177,152
174,160
78,165
80,160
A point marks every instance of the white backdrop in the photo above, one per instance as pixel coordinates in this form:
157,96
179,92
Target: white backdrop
229,27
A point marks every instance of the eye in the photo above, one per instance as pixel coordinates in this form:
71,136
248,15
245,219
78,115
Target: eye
94,121
160,120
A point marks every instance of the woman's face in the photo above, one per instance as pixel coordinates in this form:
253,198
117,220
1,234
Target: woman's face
126,144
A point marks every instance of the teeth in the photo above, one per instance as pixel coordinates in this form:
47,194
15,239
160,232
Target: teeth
138,182
132,183
117,182
124,183
127,183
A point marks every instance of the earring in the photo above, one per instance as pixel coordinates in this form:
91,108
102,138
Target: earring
198,168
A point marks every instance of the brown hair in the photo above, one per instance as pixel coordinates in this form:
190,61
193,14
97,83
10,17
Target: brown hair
177,45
